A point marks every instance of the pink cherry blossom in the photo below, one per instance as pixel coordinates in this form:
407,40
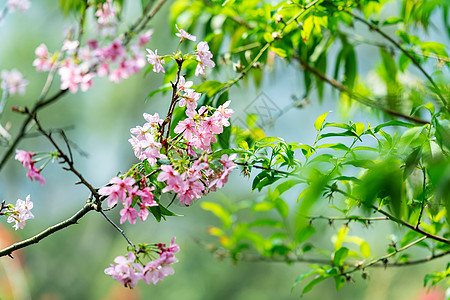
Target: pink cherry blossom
156,61
21,5
13,81
42,62
125,270
144,38
70,77
128,213
35,174
20,213
184,35
187,127
24,157
106,13
204,58
117,190
70,46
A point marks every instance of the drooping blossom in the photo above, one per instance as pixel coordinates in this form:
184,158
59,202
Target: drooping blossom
106,18
26,159
158,269
204,58
43,61
125,270
13,81
184,35
20,213
35,174
156,61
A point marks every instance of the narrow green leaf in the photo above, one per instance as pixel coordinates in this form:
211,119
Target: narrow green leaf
304,233
339,256
320,120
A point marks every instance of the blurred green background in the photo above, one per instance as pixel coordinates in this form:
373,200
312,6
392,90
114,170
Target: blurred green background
70,264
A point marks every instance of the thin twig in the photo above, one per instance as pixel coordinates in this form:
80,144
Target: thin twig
66,159
117,227
398,46
383,258
424,199
359,98
395,219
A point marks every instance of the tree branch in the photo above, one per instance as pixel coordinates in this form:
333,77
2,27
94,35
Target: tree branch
38,237
398,46
359,98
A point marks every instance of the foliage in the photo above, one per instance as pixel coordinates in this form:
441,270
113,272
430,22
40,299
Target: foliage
396,171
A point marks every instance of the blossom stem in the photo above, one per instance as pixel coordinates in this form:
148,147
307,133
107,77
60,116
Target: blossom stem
3,101
118,228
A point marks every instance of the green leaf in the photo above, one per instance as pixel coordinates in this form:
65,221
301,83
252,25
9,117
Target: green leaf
321,65
224,97
359,128
285,186
218,154
280,51
336,146
392,20
224,137
320,120
350,68
305,275
163,89
304,233
364,248
219,211
282,207
266,222
339,282
209,87
389,65
393,123
339,256
313,282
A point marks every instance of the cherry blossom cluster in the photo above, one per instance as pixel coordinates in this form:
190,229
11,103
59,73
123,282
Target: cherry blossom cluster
107,18
20,5
13,82
81,64
26,159
19,213
129,193
194,177
202,55
129,270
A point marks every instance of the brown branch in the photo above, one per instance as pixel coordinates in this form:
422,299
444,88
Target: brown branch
66,159
398,46
383,258
395,219
118,228
381,262
37,238
410,226
359,98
